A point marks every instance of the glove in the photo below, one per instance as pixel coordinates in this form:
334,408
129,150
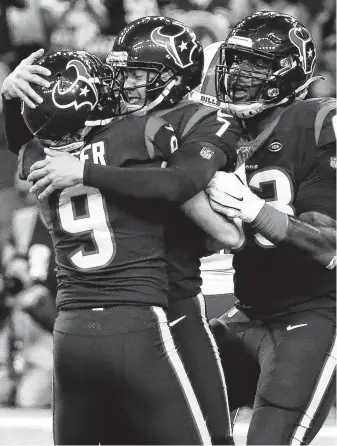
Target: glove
230,196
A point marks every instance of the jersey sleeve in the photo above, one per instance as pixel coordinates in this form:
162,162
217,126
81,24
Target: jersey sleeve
325,123
208,144
317,192
16,131
160,138
30,152
205,145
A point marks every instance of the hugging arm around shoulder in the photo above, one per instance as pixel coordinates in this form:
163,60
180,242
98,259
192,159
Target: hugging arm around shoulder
29,153
16,131
187,174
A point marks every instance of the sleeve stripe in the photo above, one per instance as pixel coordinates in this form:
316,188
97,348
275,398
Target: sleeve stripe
151,128
167,111
201,113
320,117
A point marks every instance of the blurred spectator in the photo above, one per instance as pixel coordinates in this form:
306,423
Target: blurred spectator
6,53
209,19
295,8
10,198
324,32
27,29
91,24
75,27
27,309
135,9
233,10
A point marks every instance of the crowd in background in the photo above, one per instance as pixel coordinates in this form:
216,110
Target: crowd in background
26,25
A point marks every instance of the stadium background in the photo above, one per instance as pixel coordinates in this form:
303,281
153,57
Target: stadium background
26,25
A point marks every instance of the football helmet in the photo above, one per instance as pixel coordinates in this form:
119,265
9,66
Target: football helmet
170,54
78,96
267,59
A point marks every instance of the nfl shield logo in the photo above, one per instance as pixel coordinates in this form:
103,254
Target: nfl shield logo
206,153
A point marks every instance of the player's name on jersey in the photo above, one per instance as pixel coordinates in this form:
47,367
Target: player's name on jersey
94,152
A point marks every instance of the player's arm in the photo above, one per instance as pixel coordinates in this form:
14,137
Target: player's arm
17,86
312,234
208,147
225,232
30,153
186,174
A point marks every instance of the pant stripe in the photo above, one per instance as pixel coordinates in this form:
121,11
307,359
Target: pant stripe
202,305
179,370
317,397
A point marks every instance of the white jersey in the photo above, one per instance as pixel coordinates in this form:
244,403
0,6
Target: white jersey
206,92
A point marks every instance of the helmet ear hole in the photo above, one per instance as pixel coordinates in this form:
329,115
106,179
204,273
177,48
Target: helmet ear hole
166,75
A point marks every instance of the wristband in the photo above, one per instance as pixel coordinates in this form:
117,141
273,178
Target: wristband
252,208
271,223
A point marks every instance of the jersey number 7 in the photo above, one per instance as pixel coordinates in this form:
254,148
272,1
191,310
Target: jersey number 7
225,123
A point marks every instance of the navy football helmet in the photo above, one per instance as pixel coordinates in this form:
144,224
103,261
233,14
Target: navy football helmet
167,50
267,59
78,96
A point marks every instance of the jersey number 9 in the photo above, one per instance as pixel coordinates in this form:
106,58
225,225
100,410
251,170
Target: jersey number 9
93,222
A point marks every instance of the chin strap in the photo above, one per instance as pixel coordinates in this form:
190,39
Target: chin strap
161,97
68,147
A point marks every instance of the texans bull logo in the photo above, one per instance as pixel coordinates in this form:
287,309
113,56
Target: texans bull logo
88,94
302,40
180,47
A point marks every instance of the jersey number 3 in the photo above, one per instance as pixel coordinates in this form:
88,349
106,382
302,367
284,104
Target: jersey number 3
91,222
274,186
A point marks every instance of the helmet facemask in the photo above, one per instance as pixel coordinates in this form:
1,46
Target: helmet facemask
249,81
154,78
108,105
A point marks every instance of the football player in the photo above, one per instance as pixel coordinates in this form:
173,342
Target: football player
158,61
151,131
113,348
278,344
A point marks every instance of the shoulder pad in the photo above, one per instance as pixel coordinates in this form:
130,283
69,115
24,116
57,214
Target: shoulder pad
325,131
200,113
316,114
159,134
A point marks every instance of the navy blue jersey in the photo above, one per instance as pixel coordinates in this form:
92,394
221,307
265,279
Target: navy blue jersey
294,170
184,248
206,138
111,249
207,142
